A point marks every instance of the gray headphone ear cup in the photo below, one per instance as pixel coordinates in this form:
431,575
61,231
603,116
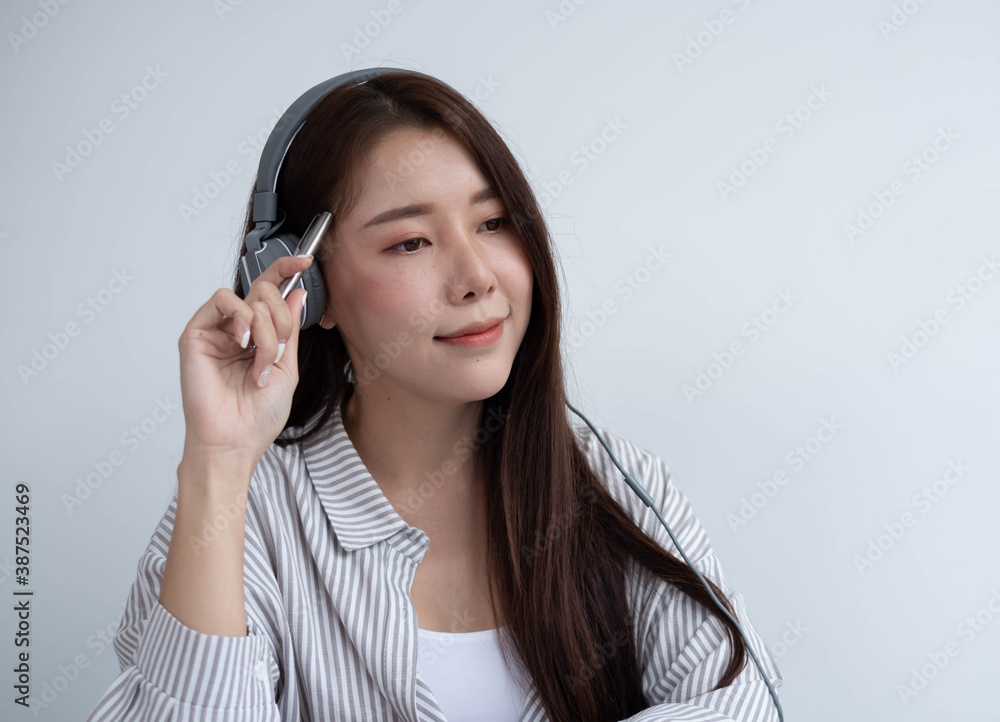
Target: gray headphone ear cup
271,249
312,281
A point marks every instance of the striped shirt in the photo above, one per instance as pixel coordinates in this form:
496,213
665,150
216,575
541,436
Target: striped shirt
332,631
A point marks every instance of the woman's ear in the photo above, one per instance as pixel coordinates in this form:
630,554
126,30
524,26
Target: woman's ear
321,258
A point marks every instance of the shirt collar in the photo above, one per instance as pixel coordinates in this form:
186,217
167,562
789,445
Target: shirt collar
359,511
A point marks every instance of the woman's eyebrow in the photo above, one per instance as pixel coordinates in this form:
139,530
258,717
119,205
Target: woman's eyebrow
422,209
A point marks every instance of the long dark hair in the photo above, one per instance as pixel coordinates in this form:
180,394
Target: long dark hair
564,601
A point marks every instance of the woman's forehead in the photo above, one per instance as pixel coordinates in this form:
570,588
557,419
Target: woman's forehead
395,178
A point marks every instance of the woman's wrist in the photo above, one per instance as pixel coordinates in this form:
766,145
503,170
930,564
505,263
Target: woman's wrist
216,469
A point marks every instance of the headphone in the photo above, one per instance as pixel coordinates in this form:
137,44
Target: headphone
264,248
263,245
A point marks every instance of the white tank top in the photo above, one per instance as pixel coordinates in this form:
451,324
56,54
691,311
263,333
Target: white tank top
467,675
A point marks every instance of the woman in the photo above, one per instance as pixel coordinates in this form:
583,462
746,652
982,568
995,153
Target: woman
390,515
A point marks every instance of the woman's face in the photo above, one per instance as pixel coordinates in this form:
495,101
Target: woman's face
425,253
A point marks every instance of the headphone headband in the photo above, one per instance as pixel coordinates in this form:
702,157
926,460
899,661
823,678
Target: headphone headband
265,199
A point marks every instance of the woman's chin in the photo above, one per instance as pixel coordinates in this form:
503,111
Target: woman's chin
472,386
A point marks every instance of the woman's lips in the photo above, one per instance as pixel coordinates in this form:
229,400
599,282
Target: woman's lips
475,340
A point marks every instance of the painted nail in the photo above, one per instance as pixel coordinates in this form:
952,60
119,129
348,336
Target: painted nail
262,381
246,338
281,350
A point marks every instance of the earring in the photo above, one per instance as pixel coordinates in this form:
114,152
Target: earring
321,318
349,370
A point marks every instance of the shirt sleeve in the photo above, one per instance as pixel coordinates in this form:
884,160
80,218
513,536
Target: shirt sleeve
172,672
685,652
683,647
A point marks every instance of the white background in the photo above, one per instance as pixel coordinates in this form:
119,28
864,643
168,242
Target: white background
694,108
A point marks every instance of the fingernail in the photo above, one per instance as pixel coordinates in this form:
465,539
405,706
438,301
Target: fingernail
246,338
262,381
281,350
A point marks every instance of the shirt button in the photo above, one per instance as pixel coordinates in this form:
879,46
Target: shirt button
260,671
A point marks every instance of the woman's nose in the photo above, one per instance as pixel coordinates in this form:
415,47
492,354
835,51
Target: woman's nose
471,267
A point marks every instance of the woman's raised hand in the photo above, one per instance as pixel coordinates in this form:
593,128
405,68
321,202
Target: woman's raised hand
237,399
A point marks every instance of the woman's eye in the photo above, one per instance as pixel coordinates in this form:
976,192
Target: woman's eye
496,220
407,246
411,249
